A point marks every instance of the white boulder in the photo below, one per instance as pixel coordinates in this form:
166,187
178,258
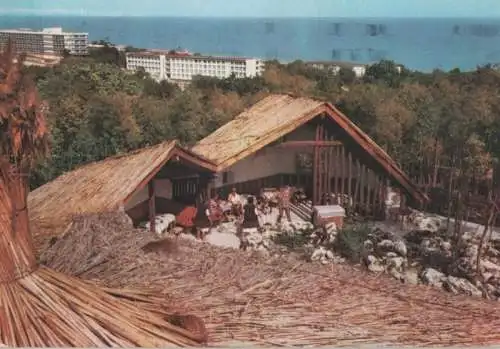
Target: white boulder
163,223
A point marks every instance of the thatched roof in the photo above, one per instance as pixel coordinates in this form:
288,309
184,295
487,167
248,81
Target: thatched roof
278,115
101,186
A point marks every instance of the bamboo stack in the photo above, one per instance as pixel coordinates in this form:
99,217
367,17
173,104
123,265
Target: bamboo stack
40,307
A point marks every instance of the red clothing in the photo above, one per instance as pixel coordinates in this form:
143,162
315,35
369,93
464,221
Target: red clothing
186,217
284,197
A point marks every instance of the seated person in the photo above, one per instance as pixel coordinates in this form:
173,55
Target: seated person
214,211
235,201
186,219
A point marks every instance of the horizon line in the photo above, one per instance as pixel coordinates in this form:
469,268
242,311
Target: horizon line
241,17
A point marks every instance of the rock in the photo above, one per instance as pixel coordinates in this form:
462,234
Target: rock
162,223
400,248
489,266
318,254
471,251
177,230
425,245
264,252
322,254
426,222
223,239
266,243
385,245
389,255
433,277
339,260
488,277
445,246
462,267
492,252
373,264
396,263
461,286
411,277
368,246
396,275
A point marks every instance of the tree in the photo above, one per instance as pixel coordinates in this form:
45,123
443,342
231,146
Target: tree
386,72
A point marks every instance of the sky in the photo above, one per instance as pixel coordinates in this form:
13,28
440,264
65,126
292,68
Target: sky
256,8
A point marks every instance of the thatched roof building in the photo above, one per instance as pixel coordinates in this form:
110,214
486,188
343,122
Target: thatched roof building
108,185
279,121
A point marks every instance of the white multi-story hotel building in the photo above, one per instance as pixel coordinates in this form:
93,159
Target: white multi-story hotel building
163,65
334,67
48,41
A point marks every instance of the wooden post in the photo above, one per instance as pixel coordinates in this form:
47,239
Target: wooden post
362,185
321,165
316,167
358,182
329,169
349,183
342,170
336,171
152,205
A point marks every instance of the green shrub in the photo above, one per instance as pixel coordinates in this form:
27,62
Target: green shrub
292,241
350,240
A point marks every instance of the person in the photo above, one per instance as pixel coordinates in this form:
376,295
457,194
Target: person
235,201
214,211
186,219
250,214
284,197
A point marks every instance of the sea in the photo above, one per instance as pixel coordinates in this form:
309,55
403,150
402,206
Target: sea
422,44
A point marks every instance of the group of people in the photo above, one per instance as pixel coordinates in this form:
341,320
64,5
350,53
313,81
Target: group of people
247,214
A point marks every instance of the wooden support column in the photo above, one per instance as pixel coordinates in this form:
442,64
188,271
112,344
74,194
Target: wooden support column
152,205
316,165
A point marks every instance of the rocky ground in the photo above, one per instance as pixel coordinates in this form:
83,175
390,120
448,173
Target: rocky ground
420,252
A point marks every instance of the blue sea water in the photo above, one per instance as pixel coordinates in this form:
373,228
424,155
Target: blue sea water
422,44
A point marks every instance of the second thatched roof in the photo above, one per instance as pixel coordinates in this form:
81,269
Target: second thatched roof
101,186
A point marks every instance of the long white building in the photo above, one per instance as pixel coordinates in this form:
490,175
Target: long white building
183,66
48,41
335,66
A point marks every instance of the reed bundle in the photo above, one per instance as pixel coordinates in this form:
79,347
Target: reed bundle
279,300
38,306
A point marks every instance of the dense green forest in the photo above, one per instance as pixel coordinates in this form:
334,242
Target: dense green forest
425,121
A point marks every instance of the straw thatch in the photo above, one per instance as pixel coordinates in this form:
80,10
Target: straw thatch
276,300
100,186
38,306
278,115
41,307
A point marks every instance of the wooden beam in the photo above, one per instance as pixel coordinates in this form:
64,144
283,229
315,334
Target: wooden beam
316,166
152,205
309,144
